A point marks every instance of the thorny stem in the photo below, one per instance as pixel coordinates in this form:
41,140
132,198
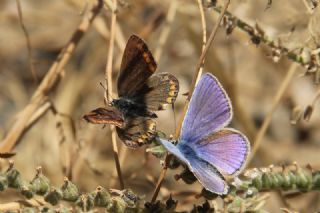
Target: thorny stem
108,93
252,31
194,81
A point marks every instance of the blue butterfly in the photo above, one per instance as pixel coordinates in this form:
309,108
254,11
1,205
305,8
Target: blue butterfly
209,149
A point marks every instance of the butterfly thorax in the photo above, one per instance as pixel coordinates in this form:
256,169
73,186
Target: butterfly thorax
186,149
130,108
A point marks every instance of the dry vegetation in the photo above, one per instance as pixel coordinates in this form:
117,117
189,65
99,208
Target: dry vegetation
271,72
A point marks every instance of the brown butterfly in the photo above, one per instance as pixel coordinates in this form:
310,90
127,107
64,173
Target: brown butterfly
141,92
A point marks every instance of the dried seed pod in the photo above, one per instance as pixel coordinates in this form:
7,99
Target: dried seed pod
69,190
85,202
101,197
266,181
303,179
316,180
40,183
187,176
173,162
130,198
53,196
118,205
13,177
171,204
286,181
25,190
257,182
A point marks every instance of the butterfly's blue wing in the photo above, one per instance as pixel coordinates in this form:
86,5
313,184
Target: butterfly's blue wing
207,175
226,149
209,110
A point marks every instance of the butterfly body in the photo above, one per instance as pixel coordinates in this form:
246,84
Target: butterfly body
209,149
141,92
130,108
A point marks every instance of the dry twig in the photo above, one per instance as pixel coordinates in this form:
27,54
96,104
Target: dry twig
108,94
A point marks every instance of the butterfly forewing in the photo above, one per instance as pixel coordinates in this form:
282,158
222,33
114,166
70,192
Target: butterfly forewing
136,67
209,110
137,131
159,90
107,115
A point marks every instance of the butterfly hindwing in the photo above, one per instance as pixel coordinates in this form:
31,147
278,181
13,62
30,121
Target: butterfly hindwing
227,150
137,66
209,110
159,90
105,115
207,174
137,131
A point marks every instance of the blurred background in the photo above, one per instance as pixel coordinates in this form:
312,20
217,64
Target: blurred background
253,75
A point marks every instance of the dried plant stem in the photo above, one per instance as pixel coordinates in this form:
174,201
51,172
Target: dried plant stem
259,34
283,87
108,94
166,29
48,83
194,81
29,47
123,154
160,180
204,33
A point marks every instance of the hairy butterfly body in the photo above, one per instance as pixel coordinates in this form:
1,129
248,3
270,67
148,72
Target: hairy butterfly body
141,92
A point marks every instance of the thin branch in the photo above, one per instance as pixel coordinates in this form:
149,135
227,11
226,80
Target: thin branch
194,81
29,47
48,84
204,32
108,93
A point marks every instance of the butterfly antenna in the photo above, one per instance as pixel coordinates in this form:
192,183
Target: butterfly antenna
105,94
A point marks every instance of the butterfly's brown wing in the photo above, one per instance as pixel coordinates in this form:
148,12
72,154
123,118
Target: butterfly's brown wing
137,131
159,90
136,67
106,115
